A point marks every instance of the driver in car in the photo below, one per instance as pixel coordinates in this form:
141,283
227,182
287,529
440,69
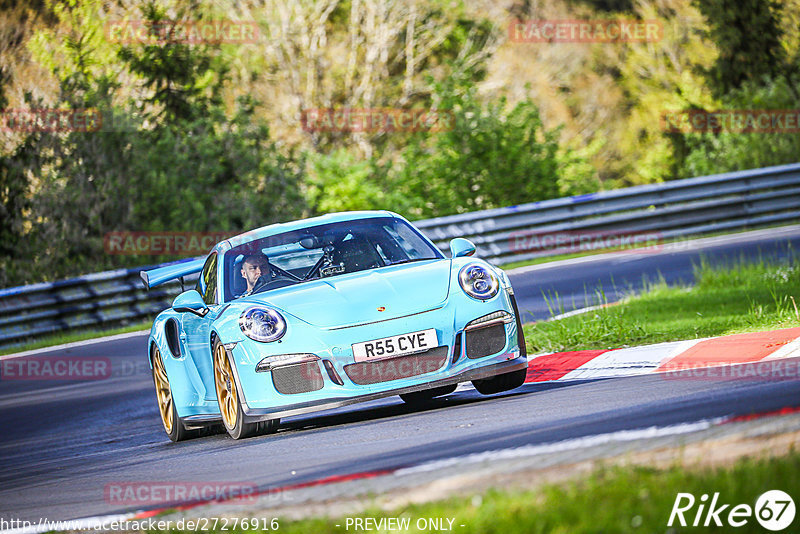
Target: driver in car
252,268
256,266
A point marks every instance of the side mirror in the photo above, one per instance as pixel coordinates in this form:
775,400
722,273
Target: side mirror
461,247
190,301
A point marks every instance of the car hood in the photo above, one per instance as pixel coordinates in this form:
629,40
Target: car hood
353,299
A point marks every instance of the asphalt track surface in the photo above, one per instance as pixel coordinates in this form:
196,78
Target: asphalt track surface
63,442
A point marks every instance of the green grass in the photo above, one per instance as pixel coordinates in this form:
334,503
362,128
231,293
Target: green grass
611,499
557,257
70,337
745,297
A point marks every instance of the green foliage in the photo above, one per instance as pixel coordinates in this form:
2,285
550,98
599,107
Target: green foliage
77,52
341,182
709,153
182,165
486,155
185,147
184,81
14,202
492,156
212,174
666,75
748,35
209,174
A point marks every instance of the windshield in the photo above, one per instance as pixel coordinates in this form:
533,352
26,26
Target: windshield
321,252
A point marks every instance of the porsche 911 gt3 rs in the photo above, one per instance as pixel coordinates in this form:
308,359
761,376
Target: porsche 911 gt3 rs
320,313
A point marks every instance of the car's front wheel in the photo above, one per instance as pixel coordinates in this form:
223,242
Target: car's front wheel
166,405
228,398
504,382
420,397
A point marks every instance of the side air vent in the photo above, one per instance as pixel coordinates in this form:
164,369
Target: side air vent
457,347
173,340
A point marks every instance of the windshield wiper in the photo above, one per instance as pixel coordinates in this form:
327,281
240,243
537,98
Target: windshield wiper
409,260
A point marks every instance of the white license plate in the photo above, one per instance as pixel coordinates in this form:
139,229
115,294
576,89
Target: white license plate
390,347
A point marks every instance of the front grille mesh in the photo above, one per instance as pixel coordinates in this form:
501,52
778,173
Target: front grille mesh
485,341
364,373
297,378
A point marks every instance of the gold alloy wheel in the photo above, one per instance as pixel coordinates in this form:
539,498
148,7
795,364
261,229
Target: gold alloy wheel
226,387
163,393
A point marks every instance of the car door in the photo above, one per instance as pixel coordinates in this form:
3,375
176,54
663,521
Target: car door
196,330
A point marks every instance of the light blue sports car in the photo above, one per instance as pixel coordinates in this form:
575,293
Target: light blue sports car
320,313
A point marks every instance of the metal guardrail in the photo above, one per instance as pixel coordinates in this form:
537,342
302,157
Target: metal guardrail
688,207
108,298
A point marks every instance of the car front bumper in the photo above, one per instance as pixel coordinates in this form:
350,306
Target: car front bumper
299,408
262,399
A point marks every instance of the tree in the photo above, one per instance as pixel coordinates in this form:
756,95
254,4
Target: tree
660,77
748,35
184,81
356,54
492,156
167,158
724,151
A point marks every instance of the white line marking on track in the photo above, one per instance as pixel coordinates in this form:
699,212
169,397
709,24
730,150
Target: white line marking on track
34,352
787,351
562,446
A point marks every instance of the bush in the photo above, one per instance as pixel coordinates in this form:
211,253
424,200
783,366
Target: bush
493,156
710,153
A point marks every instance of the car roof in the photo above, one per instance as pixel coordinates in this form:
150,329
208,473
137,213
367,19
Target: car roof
279,228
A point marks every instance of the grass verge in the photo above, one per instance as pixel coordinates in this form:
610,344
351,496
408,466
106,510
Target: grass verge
745,297
611,499
71,337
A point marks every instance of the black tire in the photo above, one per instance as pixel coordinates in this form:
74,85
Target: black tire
172,424
504,382
228,395
420,397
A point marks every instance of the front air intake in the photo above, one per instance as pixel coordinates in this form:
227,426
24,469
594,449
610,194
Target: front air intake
482,342
297,378
375,372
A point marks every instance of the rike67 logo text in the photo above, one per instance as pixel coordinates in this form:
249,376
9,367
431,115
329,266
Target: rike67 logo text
774,510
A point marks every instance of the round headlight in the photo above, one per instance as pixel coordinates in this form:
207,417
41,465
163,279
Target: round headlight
262,324
478,282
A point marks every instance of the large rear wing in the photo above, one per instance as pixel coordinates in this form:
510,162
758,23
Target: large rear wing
159,275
